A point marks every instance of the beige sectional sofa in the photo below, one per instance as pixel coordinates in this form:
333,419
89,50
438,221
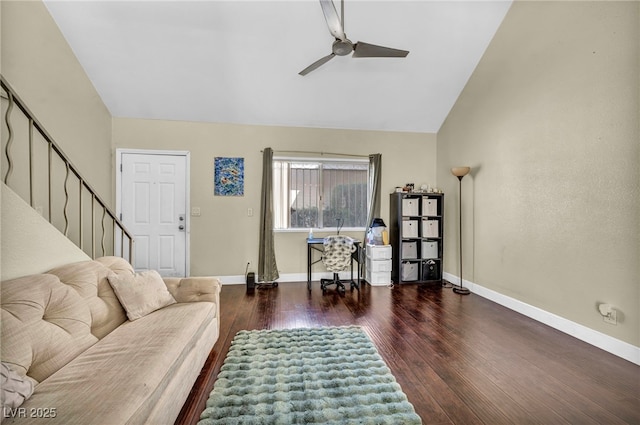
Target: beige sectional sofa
69,334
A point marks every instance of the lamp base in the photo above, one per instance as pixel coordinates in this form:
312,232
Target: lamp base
461,290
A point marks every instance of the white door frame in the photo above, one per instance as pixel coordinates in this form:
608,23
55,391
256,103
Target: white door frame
187,155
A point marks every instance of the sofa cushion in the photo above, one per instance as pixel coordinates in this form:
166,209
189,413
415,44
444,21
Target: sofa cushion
124,377
142,293
117,265
45,324
89,279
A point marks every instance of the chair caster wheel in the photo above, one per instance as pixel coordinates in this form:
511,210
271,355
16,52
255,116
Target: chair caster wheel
275,284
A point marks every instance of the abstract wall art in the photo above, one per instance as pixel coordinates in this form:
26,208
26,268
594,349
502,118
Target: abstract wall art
228,176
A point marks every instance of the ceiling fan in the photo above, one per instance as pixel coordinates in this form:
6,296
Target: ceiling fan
342,46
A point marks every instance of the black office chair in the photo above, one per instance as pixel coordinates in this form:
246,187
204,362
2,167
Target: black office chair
336,258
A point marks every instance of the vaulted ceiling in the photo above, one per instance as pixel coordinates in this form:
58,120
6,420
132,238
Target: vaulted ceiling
238,61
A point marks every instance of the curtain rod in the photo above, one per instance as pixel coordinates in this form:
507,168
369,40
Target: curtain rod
322,153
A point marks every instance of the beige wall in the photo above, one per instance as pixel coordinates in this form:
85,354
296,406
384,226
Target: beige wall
549,123
39,64
224,238
29,243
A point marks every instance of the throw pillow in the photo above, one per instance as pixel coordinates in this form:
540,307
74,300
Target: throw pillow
15,388
140,293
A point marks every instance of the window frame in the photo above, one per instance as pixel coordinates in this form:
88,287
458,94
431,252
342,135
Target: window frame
320,161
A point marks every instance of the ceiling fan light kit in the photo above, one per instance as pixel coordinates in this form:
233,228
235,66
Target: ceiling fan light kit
342,46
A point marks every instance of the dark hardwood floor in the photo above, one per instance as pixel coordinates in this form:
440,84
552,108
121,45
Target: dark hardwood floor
459,359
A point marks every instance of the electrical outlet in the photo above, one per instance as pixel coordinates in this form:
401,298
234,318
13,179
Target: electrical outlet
611,317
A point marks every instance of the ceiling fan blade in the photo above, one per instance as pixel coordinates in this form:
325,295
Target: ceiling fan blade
317,64
332,18
366,50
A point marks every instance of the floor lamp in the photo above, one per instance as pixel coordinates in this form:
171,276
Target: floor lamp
460,172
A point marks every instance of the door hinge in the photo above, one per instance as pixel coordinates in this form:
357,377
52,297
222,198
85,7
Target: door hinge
120,216
120,167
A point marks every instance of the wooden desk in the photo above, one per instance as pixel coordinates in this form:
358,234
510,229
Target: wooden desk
317,244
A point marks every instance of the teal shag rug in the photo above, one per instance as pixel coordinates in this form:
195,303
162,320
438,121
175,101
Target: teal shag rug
329,375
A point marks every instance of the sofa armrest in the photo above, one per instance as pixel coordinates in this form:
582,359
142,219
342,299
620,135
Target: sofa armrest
193,289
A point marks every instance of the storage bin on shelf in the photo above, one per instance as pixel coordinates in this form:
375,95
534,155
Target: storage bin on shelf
429,206
409,249
409,228
410,271
430,228
410,206
429,249
431,269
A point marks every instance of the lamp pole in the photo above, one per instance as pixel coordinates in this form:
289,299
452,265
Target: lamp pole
460,172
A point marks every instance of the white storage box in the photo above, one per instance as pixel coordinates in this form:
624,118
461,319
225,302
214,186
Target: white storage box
378,265
409,249
410,206
429,206
430,228
378,278
409,228
378,252
429,249
410,271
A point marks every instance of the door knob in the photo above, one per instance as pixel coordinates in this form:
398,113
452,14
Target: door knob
181,227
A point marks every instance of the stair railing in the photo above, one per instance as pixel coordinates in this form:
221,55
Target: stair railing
90,212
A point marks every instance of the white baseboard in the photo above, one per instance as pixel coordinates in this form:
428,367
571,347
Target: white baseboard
598,339
232,280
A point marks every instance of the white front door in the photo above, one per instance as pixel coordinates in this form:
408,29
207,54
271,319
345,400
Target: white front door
153,207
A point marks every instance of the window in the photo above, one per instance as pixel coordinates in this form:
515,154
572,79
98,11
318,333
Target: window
320,193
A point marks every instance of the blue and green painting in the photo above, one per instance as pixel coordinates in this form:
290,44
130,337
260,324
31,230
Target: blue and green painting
228,176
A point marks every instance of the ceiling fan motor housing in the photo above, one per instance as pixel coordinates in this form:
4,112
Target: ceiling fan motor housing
342,47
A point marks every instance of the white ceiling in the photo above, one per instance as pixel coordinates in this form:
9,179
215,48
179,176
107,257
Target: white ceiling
238,61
